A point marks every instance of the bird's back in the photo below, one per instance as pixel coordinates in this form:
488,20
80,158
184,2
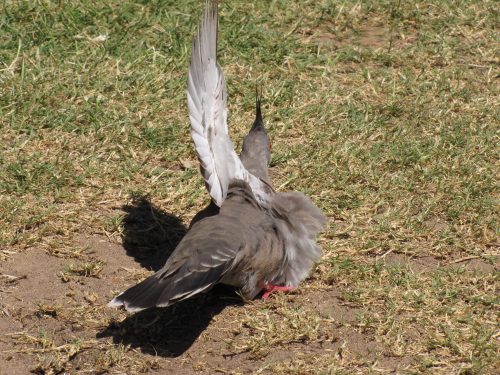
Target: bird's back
273,245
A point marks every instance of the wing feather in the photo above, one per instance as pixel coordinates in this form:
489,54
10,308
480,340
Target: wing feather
207,97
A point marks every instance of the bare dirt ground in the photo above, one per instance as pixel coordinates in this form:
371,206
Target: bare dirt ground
60,305
192,331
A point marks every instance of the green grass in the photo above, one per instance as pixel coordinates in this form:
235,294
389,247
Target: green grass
384,112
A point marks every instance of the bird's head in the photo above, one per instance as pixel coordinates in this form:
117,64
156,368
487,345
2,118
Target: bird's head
257,144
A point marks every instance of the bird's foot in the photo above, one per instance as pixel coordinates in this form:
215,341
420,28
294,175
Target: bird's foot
268,289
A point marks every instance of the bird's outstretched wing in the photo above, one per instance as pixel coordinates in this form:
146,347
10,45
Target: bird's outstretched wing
207,97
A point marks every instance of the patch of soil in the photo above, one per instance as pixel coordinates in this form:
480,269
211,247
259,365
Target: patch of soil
429,264
417,265
188,338
330,305
36,283
475,264
370,35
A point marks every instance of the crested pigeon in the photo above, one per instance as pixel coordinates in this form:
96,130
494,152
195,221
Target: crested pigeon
254,239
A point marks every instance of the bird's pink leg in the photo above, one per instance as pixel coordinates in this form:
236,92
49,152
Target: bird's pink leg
268,289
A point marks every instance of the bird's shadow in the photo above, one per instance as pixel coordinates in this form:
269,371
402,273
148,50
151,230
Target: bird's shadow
150,235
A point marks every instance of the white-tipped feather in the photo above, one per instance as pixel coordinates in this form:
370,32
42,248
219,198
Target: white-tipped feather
207,98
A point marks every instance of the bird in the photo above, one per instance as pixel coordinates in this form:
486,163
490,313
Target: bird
252,237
